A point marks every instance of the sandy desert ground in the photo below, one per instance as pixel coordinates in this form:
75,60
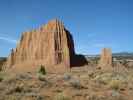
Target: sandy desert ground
80,83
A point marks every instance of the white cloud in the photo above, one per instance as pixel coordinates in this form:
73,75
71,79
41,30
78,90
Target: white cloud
7,39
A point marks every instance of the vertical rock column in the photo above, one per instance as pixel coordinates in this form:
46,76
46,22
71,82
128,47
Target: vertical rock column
106,58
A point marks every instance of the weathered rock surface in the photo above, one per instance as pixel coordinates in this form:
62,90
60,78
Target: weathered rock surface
106,58
49,45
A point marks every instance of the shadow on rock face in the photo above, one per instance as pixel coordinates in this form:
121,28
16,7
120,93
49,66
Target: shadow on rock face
78,60
75,60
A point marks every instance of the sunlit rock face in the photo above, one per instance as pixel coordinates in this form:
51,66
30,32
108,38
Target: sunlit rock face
105,58
49,45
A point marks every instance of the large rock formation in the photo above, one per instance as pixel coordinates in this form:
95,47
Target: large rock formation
106,58
49,45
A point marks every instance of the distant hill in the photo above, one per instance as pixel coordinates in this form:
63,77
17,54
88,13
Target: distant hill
119,55
2,60
123,54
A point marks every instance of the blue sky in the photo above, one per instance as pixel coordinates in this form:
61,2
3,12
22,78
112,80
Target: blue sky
94,24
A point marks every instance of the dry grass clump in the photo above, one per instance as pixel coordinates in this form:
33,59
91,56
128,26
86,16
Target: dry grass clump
113,80
76,83
61,96
115,84
2,76
103,78
67,76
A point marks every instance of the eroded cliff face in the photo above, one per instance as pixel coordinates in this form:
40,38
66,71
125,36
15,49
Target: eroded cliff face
49,45
105,58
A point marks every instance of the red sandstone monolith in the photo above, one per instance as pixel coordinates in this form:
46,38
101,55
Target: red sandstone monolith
51,45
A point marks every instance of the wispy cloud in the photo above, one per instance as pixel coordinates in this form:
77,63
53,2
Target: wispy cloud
8,39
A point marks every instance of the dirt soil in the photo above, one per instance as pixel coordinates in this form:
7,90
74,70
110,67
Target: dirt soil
83,83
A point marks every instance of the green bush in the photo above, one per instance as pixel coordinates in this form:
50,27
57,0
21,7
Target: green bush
42,70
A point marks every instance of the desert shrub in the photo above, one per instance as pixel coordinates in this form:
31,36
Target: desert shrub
41,73
67,76
1,79
93,97
115,84
76,83
42,70
41,77
125,63
18,89
14,89
115,93
91,74
107,78
103,78
115,97
12,97
2,76
61,96
0,68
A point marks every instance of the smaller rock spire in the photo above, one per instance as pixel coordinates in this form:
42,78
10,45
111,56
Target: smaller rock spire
106,58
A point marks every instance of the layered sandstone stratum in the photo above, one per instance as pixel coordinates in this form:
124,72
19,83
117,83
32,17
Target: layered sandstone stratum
49,45
106,58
